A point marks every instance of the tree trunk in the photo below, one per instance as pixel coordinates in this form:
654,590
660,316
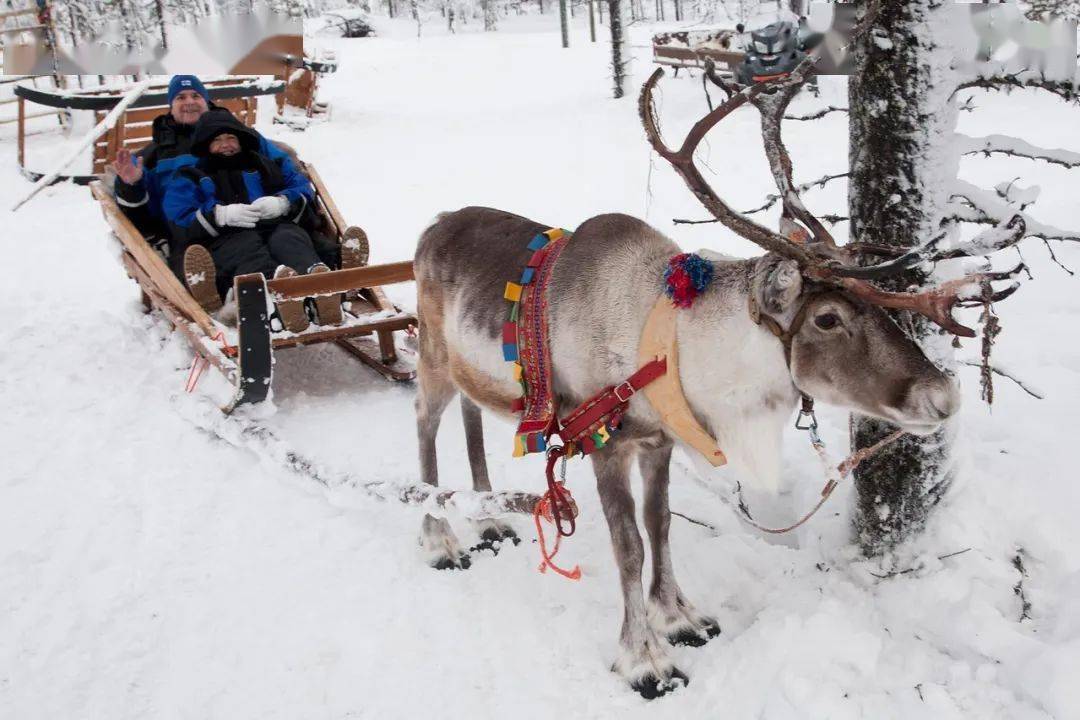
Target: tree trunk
901,126
563,26
491,17
160,10
618,42
592,22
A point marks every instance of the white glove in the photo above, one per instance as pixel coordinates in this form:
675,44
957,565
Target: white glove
237,215
271,206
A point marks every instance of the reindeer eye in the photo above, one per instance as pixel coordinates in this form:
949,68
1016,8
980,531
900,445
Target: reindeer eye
827,321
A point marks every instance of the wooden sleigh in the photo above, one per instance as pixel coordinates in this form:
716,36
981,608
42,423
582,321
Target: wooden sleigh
244,354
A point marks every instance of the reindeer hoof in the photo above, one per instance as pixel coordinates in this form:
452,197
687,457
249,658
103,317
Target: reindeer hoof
441,547
651,687
695,637
463,562
500,534
493,535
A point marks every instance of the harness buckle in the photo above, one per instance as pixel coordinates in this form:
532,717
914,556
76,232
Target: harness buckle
630,391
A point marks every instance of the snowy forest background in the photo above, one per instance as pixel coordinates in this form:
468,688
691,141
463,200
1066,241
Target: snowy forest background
140,22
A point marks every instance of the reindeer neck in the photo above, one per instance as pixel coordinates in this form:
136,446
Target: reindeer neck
734,374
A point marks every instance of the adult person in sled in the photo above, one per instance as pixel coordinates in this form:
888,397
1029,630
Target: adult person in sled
238,211
142,178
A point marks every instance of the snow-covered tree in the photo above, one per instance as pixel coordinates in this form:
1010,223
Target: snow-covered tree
904,191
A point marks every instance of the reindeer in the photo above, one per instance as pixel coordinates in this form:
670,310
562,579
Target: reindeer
802,320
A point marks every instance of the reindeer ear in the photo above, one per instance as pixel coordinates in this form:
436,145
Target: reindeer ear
777,284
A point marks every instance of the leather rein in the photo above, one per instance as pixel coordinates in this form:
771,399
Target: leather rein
833,474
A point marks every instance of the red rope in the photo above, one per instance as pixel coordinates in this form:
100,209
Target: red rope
544,509
556,505
199,363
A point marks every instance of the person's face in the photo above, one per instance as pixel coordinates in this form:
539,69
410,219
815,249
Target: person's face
187,107
225,144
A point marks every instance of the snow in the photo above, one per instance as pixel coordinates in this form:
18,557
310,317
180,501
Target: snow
148,569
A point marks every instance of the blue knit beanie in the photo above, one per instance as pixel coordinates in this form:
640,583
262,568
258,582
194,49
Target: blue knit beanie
180,83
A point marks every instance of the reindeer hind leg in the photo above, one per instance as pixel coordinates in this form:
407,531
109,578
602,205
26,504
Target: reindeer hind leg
435,390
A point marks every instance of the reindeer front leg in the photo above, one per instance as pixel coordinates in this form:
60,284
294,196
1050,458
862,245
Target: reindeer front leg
669,611
642,660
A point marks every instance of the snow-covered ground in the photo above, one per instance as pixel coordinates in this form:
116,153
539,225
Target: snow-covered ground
148,569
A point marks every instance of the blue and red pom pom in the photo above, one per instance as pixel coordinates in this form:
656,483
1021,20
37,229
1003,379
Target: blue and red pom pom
687,275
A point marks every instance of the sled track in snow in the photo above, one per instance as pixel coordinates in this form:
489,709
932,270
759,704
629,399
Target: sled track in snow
249,435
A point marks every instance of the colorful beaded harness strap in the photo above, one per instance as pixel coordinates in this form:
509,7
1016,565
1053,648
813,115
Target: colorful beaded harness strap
589,427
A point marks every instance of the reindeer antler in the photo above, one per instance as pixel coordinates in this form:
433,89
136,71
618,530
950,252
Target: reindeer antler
937,303
821,259
683,162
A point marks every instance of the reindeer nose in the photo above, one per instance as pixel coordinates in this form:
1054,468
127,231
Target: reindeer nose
939,398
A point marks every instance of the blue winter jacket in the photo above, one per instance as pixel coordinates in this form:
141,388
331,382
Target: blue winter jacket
169,151
192,195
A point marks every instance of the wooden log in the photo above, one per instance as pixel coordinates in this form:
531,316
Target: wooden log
344,331
386,347
370,276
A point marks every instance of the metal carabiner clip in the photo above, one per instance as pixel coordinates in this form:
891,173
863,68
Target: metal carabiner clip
811,420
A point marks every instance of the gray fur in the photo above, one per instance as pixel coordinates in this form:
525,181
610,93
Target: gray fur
733,372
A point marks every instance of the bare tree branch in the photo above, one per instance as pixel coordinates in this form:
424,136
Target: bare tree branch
920,566
830,218
1009,81
816,115
972,204
1006,145
772,199
1005,374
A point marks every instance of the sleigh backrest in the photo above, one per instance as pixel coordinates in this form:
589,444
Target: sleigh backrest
133,130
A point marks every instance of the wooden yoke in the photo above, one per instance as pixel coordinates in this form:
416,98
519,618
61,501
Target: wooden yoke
665,393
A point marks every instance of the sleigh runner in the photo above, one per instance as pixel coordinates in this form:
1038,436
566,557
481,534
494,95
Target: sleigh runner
244,354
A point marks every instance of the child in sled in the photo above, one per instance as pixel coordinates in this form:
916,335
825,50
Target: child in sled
238,211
